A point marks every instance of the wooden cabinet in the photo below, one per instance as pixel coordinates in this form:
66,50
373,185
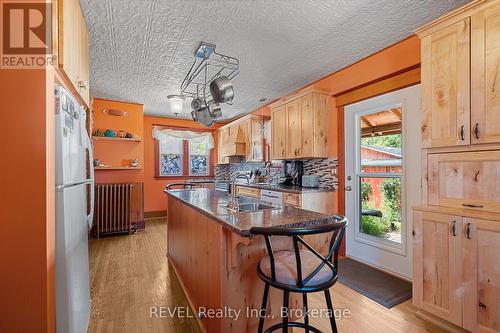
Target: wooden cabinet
293,129
246,133
278,133
485,75
456,230
73,49
460,95
223,138
446,87
292,199
300,126
481,284
464,180
437,264
248,192
455,269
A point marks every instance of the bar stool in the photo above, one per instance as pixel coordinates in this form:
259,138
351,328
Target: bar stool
185,186
300,270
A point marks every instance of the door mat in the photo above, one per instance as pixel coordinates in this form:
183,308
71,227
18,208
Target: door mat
380,287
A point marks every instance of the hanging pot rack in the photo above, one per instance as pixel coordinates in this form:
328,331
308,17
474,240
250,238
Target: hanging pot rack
208,65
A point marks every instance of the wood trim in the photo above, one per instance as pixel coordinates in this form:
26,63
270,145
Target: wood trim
117,101
436,321
472,213
155,214
341,169
385,85
295,95
452,17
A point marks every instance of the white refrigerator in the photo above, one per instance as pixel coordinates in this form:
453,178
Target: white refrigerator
73,158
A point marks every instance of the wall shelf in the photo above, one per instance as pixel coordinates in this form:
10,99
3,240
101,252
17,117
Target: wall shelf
107,138
116,168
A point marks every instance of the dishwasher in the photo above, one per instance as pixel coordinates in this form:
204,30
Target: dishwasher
273,197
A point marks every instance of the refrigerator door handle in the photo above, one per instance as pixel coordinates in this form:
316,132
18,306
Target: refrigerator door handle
88,148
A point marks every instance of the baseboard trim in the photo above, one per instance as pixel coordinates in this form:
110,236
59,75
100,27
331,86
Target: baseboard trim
441,323
155,214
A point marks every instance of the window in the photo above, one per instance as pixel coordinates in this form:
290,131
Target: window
184,154
199,158
171,152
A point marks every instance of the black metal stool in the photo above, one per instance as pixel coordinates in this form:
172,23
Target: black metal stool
185,186
301,270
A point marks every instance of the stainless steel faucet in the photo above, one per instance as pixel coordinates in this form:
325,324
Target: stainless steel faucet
233,203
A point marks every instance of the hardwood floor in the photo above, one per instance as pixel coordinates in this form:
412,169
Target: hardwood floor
130,274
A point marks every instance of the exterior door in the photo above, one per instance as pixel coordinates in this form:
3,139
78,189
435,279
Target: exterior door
481,243
437,264
278,135
382,168
446,87
293,129
485,53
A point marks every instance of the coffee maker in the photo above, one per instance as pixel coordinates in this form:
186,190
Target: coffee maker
293,173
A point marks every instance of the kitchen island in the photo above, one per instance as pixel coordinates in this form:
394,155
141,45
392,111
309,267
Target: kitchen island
215,256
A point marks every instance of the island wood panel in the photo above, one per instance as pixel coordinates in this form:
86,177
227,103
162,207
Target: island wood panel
218,269
279,132
446,87
195,249
465,180
437,265
485,75
243,289
481,250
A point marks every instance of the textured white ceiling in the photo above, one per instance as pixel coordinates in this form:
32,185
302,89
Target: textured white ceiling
140,50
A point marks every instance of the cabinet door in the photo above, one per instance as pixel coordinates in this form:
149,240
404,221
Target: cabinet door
464,180
437,264
321,109
278,126
293,129
307,125
256,139
485,71
69,37
446,87
83,83
481,276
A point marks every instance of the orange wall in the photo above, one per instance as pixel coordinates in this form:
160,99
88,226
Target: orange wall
154,198
119,153
386,62
27,240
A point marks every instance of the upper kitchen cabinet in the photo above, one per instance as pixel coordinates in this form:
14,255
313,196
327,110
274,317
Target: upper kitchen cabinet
300,125
485,57
243,139
73,49
460,57
446,86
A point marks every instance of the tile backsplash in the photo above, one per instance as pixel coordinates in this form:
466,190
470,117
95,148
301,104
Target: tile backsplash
325,168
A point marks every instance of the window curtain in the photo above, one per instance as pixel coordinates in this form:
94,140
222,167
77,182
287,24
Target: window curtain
170,136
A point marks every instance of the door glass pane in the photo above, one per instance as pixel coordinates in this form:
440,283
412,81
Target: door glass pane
381,207
380,174
381,142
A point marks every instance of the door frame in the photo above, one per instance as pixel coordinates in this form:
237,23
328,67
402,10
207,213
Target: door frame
372,250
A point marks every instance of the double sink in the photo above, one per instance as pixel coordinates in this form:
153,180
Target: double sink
250,207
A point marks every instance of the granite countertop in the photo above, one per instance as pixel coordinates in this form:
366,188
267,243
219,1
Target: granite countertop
212,204
289,188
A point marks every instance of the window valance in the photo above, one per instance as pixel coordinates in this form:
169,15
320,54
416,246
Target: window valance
167,135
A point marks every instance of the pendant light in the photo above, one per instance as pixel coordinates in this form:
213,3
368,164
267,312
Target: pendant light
176,103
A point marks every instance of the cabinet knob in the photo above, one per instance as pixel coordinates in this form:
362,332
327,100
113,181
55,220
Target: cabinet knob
462,132
454,228
467,230
476,131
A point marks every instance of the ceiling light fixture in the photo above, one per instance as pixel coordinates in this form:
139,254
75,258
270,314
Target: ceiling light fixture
176,103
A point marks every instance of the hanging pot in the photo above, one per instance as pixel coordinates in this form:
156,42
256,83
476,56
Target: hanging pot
222,90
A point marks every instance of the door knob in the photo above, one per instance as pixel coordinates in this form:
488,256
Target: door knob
348,188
